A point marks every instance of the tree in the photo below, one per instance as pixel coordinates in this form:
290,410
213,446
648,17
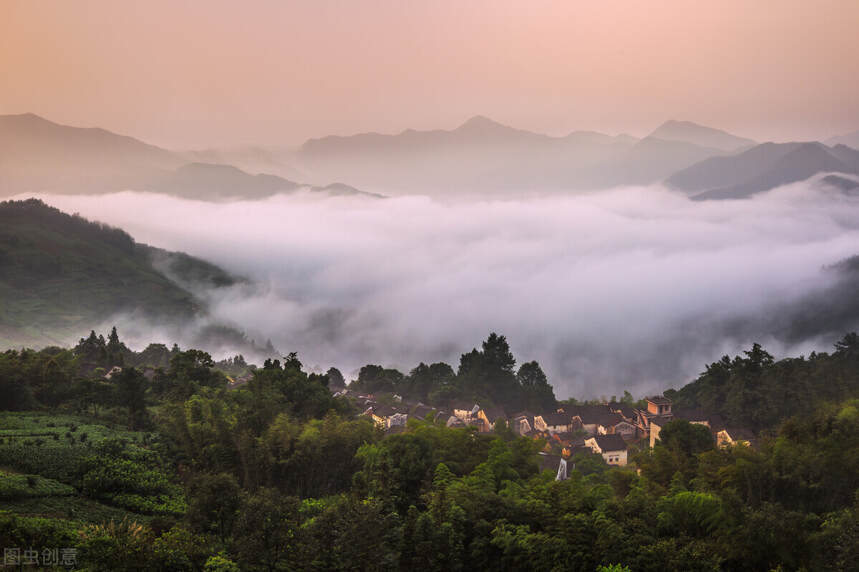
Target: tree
335,378
213,504
537,393
131,393
266,531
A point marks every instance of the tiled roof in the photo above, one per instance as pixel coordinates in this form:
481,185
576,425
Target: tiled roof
610,443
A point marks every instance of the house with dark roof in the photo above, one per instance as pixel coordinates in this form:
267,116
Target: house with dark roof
420,411
553,422
658,405
730,436
491,415
612,448
522,423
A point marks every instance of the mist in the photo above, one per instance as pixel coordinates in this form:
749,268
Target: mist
633,288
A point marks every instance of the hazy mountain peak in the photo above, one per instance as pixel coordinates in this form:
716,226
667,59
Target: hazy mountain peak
481,123
689,132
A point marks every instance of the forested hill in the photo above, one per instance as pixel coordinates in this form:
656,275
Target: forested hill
61,274
757,392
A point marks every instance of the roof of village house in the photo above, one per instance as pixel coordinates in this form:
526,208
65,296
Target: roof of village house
661,420
659,400
595,415
739,433
610,443
578,449
464,405
385,410
454,421
548,461
523,415
627,411
570,438
494,413
421,411
556,419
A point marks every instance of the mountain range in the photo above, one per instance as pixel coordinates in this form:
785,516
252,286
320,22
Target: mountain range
37,155
479,156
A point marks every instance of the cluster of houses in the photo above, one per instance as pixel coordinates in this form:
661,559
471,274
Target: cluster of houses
605,429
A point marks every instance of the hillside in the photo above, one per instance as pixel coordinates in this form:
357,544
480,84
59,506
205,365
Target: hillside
61,275
762,168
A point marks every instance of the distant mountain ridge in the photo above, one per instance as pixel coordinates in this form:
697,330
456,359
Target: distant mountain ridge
38,155
484,155
699,135
762,168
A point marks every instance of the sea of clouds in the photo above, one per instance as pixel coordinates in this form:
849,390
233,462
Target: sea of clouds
628,288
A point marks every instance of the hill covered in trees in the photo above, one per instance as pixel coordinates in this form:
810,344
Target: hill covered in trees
155,460
60,274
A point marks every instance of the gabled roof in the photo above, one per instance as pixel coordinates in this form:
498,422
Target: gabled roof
385,410
549,462
659,400
421,411
556,419
738,433
494,413
610,443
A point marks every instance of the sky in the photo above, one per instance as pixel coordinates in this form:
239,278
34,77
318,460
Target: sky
214,74
632,288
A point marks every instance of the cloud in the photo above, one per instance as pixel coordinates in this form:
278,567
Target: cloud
632,288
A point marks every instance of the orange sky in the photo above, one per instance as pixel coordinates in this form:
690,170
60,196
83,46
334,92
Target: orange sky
197,74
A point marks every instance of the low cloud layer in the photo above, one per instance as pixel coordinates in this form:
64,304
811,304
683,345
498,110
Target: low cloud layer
632,288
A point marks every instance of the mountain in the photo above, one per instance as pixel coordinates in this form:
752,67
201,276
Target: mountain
37,155
700,135
762,168
483,155
850,139
40,155
61,275
204,181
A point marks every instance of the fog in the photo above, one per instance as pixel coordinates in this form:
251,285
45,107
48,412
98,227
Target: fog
633,288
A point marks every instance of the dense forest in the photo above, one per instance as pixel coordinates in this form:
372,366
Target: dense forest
160,460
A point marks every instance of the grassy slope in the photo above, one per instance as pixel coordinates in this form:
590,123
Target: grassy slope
61,275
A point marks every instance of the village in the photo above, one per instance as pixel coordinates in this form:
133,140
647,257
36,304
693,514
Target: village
607,429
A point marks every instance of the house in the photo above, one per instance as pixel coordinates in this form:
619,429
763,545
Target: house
595,419
658,405
382,415
420,411
454,421
465,410
729,437
656,424
553,422
491,415
625,429
522,423
113,371
612,448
